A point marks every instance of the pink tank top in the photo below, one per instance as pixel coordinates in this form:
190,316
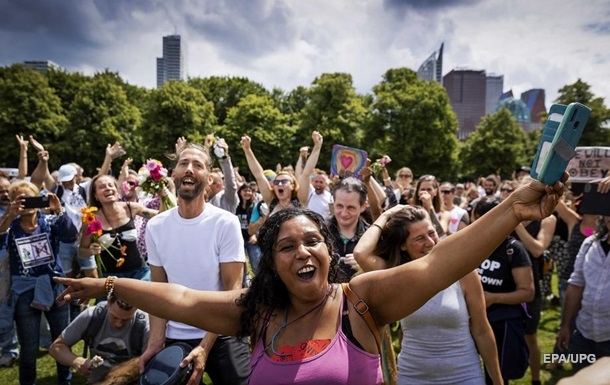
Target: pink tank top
340,363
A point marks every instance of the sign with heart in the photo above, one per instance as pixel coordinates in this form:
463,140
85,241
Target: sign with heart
347,161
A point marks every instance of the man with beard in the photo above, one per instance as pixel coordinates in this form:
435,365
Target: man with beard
490,185
199,246
320,198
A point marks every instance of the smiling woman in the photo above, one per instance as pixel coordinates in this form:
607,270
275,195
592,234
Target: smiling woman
117,245
304,327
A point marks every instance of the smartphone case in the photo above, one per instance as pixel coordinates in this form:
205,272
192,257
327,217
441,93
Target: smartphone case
553,121
566,138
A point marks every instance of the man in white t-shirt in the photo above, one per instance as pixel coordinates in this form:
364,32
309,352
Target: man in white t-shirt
199,246
458,217
320,198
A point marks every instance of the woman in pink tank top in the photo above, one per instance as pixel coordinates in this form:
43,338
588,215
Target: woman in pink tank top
294,312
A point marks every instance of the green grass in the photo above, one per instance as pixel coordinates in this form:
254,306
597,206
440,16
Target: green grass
546,337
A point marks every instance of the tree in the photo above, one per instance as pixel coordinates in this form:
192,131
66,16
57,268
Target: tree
257,117
28,106
597,132
99,115
497,146
176,109
66,84
336,111
412,122
225,92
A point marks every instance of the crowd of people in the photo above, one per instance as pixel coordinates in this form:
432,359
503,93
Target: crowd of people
281,278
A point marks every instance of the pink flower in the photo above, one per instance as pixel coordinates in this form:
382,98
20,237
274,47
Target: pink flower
95,227
152,165
156,175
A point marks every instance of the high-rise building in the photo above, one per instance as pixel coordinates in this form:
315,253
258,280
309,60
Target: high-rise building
172,66
466,90
432,68
493,92
534,100
41,65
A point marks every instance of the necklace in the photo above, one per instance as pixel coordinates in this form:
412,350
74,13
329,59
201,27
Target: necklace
285,323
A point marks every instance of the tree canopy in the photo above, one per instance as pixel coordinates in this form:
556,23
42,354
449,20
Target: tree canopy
76,116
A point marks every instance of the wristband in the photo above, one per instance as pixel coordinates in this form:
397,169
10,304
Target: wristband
387,179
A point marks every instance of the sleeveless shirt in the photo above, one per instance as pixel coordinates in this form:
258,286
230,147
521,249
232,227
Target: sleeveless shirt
340,363
437,347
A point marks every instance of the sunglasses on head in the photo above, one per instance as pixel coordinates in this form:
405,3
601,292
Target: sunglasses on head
281,182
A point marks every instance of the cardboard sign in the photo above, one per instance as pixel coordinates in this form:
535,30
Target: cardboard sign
347,161
589,163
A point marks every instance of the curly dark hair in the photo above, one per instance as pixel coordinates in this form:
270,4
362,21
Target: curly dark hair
267,290
395,233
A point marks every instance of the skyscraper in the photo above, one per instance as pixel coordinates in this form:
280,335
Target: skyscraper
466,90
493,92
432,68
172,66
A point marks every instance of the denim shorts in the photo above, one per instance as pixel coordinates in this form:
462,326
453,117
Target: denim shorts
67,254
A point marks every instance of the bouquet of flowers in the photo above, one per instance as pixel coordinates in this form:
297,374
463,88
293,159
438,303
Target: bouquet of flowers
380,164
151,180
94,229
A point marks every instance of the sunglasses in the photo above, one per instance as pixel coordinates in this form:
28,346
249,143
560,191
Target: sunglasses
281,182
131,183
446,191
405,176
506,190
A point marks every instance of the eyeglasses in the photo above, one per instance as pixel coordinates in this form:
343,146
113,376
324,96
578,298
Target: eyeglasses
281,182
506,190
404,176
446,191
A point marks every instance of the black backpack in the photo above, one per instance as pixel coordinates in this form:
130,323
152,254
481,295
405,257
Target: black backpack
97,321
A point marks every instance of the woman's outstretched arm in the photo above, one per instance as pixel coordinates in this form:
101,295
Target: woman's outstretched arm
214,311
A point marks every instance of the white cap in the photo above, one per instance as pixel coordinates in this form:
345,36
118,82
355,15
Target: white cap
66,173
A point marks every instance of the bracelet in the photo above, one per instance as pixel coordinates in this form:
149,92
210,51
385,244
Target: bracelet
379,227
109,285
387,179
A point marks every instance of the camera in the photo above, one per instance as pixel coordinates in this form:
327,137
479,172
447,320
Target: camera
36,202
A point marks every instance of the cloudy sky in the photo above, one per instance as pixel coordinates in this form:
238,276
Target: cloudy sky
285,43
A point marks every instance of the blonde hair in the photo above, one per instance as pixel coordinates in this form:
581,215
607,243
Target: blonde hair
21,185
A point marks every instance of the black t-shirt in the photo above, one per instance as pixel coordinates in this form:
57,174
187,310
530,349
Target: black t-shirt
497,276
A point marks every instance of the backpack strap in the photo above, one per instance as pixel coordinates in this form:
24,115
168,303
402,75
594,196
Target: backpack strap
137,333
363,309
95,325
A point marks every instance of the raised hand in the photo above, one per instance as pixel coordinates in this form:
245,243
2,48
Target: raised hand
245,142
317,138
115,150
36,145
180,143
23,144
